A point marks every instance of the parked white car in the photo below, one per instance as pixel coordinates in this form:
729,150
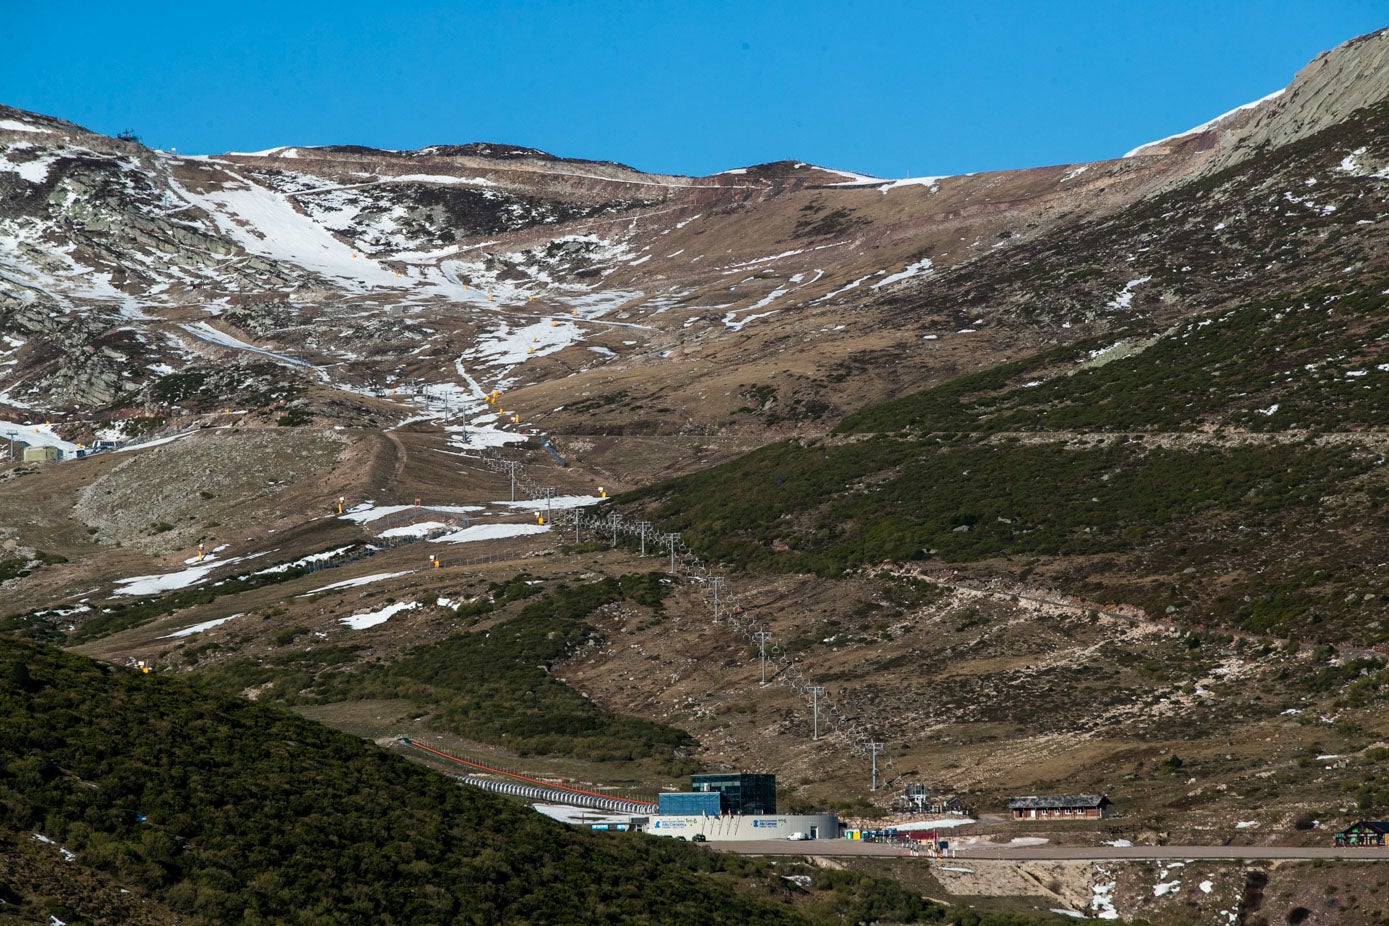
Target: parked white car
798,836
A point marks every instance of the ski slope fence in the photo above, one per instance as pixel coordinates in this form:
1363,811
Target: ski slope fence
838,725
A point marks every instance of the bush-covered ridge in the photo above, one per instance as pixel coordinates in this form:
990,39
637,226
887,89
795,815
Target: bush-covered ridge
226,811
1313,359
1273,537
826,508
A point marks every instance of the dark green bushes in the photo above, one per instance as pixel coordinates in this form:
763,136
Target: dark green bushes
830,508
227,811
493,685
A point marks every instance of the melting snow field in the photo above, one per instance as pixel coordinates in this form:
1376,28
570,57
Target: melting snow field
152,585
157,442
1102,901
412,530
12,125
1203,126
1124,298
372,618
911,270
490,532
305,561
360,580
559,501
367,512
505,346
35,435
199,628
205,332
266,223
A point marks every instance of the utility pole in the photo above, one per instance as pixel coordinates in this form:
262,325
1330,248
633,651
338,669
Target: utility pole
716,581
674,541
549,497
616,519
815,692
11,434
873,750
762,637
511,470
643,526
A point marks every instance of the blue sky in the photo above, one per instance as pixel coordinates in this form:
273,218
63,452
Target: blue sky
892,89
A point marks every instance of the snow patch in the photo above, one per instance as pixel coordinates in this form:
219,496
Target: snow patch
1124,298
943,824
153,585
911,270
360,580
372,618
559,501
413,530
199,628
304,561
11,125
1102,901
490,532
1205,125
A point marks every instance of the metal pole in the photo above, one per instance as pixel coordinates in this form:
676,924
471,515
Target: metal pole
874,749
716,581
762,637
549,496
511,469
815,692
643,526
617,518
674,540
11,436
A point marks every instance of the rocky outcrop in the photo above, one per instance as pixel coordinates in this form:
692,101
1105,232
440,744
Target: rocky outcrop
1324,93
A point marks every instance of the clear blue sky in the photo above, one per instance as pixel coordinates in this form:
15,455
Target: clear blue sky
892,89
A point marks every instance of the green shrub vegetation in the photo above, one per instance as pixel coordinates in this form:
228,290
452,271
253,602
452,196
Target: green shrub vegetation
1307,359
830,507
228,811
492,685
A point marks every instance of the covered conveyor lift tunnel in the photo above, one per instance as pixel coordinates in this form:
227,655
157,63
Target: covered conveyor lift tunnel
537,789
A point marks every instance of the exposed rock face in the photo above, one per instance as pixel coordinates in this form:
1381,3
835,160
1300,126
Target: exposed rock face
1325,92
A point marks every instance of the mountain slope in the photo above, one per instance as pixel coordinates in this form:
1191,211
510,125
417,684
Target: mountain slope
219,810
111,251
1048,477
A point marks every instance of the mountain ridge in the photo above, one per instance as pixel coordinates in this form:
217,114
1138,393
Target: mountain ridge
1057,480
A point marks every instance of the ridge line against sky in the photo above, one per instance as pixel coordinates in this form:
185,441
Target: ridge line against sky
891,89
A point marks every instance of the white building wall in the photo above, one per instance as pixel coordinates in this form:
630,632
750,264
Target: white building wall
757,826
